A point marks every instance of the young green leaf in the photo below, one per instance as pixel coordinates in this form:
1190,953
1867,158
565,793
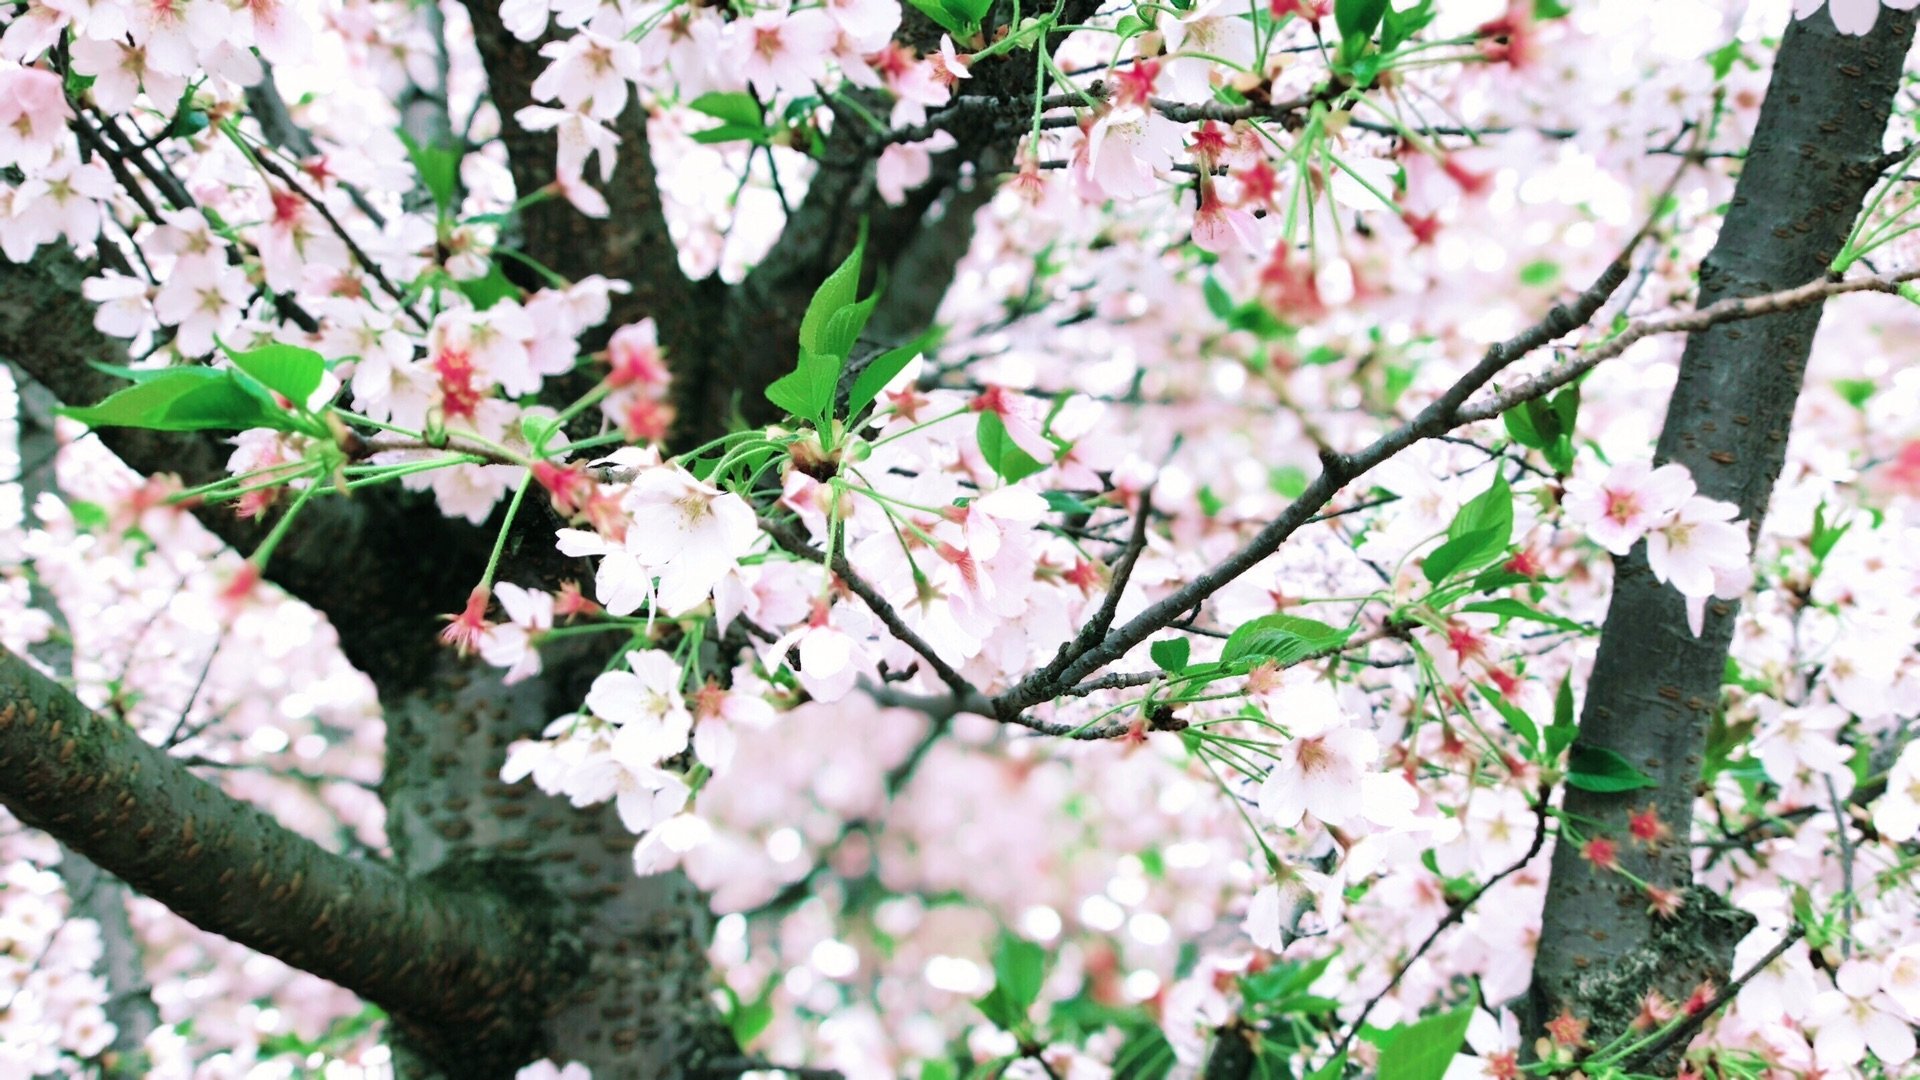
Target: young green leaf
1019,969
1171,654
972,11
1424,1049
1218,302
838,291
1520,427
1596,768
490,288
1399,26
1509,608
1516,717
187,399
737,107
1564,730
1357,18
1284,639
1479,534
1002,454
807,390
288,370
727,133
844,326
439,169
881,369
937,11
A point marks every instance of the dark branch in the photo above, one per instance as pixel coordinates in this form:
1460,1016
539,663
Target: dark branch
440,961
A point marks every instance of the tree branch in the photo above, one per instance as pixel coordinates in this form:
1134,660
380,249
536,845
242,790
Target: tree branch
447,965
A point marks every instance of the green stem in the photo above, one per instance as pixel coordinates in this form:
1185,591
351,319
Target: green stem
265,551
500,541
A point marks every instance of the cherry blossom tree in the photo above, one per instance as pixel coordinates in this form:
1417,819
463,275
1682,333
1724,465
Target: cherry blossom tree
559,539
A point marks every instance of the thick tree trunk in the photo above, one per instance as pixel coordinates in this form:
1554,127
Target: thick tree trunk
639,1008
1654,685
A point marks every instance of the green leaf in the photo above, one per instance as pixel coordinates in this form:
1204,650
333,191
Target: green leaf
938,12
489,289
1723,58
186,399
1516,717
1825,536
973,11
1424,1049
89,516
1171,654
881,369
844,326
1332,1070
1548,10
1060,502
1399,26
1566,409
288,370
1358,18
1284,639
1596,768
807,390
1282,981
1002,454
1563,731
1855,391
1146,1055
995,1006
1520,427
938,1069
727,133
1288,480
1469,552
1496,577
1019,970
1129,26
1217,299
749,1020
838,291
738,107
1479,534
1210,503
1540,273
439,169
1509,608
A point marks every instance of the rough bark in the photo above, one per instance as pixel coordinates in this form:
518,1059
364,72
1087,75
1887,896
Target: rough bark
641,1008
458,969
631,242
1654,685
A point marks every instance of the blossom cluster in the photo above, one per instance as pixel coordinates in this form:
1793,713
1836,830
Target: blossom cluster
1693,543
774,608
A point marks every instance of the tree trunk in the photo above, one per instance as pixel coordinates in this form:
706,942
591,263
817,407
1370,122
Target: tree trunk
1654,685
638,1008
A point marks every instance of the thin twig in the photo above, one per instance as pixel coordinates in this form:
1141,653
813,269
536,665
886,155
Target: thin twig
1694,1019
1459,912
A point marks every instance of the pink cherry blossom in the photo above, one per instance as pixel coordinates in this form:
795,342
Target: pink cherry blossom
782,51
1632,499
1699,540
